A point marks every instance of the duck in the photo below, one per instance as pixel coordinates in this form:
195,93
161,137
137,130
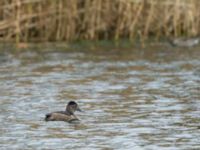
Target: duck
185,42
67,115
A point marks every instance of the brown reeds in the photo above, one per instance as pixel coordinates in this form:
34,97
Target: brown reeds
67,20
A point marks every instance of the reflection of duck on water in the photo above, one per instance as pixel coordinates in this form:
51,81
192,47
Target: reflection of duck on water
183,42
67,115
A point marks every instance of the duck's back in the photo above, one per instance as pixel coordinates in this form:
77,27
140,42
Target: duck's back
60,116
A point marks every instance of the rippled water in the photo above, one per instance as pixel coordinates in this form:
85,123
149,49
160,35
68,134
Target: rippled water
134,99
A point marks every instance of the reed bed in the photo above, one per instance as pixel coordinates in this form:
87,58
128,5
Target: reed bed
69,20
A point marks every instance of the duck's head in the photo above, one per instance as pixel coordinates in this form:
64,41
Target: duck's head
71,107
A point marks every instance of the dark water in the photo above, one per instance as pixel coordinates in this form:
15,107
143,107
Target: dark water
135,99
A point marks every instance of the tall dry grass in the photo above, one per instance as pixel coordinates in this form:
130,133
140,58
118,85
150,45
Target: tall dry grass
67,20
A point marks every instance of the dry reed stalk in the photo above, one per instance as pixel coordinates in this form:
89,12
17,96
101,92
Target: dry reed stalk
17,21
137,9
150,18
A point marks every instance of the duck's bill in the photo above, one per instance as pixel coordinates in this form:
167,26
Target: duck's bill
78,109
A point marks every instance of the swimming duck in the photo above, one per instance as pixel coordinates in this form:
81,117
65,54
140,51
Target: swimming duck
67,115
183,42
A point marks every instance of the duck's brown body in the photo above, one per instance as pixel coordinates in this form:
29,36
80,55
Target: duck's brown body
67,115
55,116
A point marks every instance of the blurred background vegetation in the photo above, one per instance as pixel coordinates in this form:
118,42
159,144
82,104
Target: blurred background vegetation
72,20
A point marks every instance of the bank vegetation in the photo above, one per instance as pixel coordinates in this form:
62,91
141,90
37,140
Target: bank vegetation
71,20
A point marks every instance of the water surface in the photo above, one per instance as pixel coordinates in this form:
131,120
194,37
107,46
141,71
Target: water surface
132,99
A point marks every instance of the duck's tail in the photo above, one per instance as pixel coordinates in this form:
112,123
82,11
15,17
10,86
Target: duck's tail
47,117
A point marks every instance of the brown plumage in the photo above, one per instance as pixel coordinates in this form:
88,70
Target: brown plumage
67,115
